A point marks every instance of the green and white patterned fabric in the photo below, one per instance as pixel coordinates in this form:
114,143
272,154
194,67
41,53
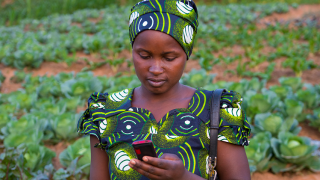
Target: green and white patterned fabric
177,18
184,131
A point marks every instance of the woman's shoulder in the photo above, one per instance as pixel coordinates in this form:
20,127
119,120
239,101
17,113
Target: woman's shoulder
114,100
229,98
201,102
234,127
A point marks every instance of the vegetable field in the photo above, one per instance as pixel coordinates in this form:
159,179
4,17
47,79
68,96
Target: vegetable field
268,52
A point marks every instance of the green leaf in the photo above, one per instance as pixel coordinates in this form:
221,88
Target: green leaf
197,78
314,164
308,97
281,91
268,122
64,126
81,148
293,107
278,166
293,82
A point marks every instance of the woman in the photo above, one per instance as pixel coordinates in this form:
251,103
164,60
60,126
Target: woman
174,116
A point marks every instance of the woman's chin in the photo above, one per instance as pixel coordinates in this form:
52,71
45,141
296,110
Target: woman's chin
156,89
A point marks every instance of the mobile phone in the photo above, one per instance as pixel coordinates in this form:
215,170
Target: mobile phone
144,148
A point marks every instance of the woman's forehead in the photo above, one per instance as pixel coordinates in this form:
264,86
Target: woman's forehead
149,39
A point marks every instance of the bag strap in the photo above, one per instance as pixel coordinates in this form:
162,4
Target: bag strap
214,126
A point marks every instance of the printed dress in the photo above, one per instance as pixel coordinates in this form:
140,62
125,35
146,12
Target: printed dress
184,132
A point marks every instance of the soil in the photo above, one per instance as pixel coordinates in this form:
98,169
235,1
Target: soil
6,2
286,176
309,76
58,148
308,131
293,14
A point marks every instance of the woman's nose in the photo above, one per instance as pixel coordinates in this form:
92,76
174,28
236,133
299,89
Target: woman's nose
156,68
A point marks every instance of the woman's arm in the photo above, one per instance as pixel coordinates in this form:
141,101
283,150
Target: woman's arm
232,162
99,168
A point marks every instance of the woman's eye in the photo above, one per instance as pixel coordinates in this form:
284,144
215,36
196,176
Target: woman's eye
170,59
144,57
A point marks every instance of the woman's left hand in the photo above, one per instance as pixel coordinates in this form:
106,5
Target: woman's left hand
168,166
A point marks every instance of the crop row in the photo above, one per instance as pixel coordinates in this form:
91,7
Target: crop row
45,112
56,38
13,12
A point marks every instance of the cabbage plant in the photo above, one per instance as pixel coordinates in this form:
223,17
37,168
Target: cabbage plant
19,76
49,106
281,91
259,152
70,104
64,126
22,131
292,149
293,82
293,108
79,149
49,87
309,97
315,118
37,157
275,123
265,102
197,78
22,99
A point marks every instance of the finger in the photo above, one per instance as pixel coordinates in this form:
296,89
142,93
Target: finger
157,162
166,161
145,169
169,156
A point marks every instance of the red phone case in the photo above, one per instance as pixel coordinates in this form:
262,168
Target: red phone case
144,148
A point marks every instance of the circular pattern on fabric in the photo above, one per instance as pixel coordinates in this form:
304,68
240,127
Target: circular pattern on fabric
120,154
146,22
98,106
234,111
103,126
122,160
183,8
129,123
119,96
133,16
108,126
187,34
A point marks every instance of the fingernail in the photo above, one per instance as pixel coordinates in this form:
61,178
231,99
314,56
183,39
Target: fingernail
133,162
145,159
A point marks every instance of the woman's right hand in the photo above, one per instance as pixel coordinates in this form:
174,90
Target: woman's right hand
167,167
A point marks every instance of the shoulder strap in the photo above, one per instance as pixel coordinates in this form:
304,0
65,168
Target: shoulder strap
214,124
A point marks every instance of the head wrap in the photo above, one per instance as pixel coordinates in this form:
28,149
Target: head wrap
177,18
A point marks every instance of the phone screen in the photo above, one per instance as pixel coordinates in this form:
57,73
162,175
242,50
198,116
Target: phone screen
144,148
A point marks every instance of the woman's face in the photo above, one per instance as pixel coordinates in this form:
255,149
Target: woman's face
159,61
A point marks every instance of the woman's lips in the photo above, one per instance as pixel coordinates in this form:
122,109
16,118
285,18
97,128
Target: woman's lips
156,83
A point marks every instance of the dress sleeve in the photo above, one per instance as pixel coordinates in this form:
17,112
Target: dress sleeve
234,126
88,123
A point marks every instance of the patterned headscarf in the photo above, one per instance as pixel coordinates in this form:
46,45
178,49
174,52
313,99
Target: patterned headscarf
178,18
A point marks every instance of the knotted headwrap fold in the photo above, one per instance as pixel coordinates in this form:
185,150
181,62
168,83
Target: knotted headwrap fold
177,18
